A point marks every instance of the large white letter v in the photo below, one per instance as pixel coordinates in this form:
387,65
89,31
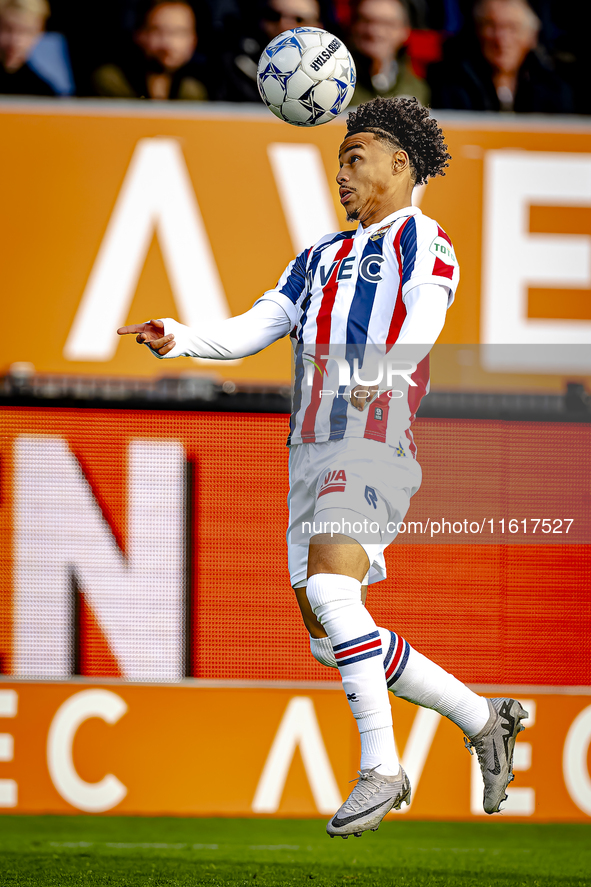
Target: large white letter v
156,194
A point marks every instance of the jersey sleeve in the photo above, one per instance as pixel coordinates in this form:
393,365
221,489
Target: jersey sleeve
229,339
290,287
427,256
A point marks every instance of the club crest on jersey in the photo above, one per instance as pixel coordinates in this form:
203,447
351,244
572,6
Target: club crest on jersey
334,482
442,249
381,231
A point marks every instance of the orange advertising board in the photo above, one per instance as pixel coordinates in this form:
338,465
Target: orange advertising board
141,749
150,545
114,213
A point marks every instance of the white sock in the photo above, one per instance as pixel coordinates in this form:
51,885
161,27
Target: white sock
357,648
413,677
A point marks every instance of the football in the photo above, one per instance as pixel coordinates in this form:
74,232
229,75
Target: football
306,76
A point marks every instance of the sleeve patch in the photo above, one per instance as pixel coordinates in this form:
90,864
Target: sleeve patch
443,250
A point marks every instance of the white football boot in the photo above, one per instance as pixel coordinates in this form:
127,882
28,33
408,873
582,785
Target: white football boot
494,746
373,797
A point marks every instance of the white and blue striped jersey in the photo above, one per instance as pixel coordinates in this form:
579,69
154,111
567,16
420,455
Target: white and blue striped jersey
346,295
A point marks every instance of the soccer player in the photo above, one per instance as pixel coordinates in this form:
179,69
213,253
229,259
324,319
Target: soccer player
363,308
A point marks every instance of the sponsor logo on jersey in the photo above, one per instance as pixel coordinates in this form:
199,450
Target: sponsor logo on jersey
442,249
369,268
345,271
334,482
323,57
371,497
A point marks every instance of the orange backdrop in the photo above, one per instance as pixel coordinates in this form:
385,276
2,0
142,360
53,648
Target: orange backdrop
513,608
70,165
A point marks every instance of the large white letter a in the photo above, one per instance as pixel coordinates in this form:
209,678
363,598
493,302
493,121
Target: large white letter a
157,194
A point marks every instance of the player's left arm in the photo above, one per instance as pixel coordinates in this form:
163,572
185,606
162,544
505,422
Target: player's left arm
427,256
430,276
426,309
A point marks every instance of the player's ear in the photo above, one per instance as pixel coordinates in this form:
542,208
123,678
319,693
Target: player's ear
400,161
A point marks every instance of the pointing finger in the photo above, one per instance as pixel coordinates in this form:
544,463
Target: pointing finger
126,330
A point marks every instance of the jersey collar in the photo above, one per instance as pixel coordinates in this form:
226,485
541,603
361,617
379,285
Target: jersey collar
399,214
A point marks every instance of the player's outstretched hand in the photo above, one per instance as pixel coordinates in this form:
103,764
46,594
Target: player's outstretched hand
151,334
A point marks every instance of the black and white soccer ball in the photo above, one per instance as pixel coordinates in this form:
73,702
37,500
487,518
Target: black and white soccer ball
306,76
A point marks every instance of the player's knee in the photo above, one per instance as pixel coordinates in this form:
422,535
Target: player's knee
341,555
321,649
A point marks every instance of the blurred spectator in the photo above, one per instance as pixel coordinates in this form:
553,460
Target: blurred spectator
422,13
162,63
246,41
503,69
283,15
22,23
379,33
50,59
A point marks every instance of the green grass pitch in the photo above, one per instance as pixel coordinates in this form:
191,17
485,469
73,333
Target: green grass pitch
72,850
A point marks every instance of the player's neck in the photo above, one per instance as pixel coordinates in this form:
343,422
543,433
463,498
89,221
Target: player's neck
371,215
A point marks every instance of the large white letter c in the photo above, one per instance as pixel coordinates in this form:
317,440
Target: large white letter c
92,797
574,760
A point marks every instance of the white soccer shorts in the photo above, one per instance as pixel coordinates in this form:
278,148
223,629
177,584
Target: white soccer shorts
355,487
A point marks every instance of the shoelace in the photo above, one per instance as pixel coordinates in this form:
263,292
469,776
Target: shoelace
359,788
367,775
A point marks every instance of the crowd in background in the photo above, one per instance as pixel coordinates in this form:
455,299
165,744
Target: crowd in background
481,55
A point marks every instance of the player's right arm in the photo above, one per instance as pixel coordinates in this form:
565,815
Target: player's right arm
228,339
270,318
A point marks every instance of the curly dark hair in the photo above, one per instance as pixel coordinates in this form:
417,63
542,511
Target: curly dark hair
404,123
